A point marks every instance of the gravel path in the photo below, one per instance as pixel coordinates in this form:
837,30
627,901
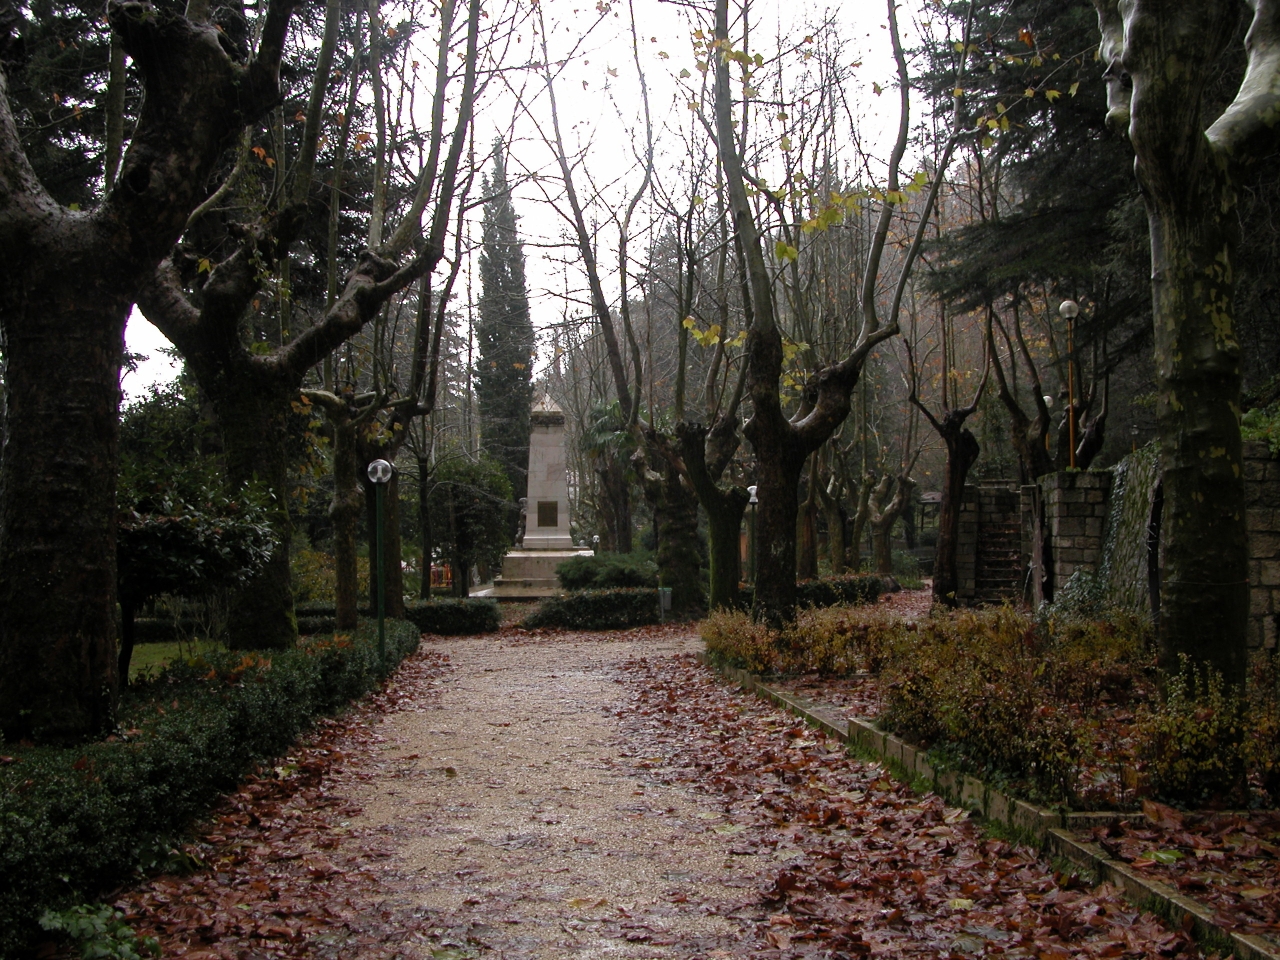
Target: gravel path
511,822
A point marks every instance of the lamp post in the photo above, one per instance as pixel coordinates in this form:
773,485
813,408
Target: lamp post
1069,310
751,546
380,476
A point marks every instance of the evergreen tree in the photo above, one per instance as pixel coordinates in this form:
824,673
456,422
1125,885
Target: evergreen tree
505,333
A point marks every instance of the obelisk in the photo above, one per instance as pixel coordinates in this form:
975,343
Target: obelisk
529,568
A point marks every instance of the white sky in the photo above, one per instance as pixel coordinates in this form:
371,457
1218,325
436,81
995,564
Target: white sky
599,116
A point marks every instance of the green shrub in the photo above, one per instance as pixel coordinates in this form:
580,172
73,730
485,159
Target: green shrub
100,933
608,571
447,616
829,591
597,610
1194,739
308,626
77,821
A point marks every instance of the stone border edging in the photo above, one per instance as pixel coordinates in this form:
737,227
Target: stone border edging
1050,827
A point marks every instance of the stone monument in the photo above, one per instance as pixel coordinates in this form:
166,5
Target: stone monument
529,568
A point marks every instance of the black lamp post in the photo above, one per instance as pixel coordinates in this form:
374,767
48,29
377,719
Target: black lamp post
380,476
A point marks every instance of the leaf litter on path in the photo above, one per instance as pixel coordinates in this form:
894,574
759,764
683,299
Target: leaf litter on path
609,799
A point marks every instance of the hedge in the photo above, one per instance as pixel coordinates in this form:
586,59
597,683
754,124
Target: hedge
597,610
455,616
445,616
77,821
851,590
609,571
855,589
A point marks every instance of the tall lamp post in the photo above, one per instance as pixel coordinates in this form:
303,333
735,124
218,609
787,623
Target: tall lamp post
380,476
1069,310
751,546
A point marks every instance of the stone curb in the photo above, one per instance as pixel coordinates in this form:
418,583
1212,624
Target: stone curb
1050,827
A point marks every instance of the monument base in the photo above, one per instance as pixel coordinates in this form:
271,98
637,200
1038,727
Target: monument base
530,574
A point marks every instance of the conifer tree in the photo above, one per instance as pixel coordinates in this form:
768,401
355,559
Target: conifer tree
504,332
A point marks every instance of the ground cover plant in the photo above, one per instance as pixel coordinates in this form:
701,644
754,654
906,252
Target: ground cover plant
1058,710
76,821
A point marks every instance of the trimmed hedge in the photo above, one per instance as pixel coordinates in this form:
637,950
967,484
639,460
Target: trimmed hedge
597,610
609,571
855,589
444,615
455,616
851,590
77,821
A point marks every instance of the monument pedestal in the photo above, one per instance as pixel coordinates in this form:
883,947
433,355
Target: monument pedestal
531,574
529,568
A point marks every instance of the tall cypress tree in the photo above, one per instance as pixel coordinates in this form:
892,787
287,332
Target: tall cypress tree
504,373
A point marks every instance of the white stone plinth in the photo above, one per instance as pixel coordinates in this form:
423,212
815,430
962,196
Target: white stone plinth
529,574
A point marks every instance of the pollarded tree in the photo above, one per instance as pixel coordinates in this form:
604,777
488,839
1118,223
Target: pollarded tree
784,439
71,276
203,308
1161,57
504,332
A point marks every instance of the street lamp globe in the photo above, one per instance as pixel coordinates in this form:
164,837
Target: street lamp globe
1068,309
380,471
751,491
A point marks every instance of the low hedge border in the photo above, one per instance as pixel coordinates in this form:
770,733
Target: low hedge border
1049,828
447,616
597,610
78,821
851,590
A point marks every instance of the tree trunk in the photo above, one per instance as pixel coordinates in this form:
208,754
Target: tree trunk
616,492
1188,177
679,565
780,457
128,636
253,419
837,529
345,513
962,452
58,677
675,516
807,529
884,515
724,507
860,522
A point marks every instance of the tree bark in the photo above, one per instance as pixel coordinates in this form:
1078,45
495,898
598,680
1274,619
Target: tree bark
675,515
885,511
962,452
1189,178
724,506
344,509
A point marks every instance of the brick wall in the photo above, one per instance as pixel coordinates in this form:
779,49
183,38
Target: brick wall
989,565
1262,506
1075,517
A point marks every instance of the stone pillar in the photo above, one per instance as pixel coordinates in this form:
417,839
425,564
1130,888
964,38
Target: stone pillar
1075,513
967,546
547,521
